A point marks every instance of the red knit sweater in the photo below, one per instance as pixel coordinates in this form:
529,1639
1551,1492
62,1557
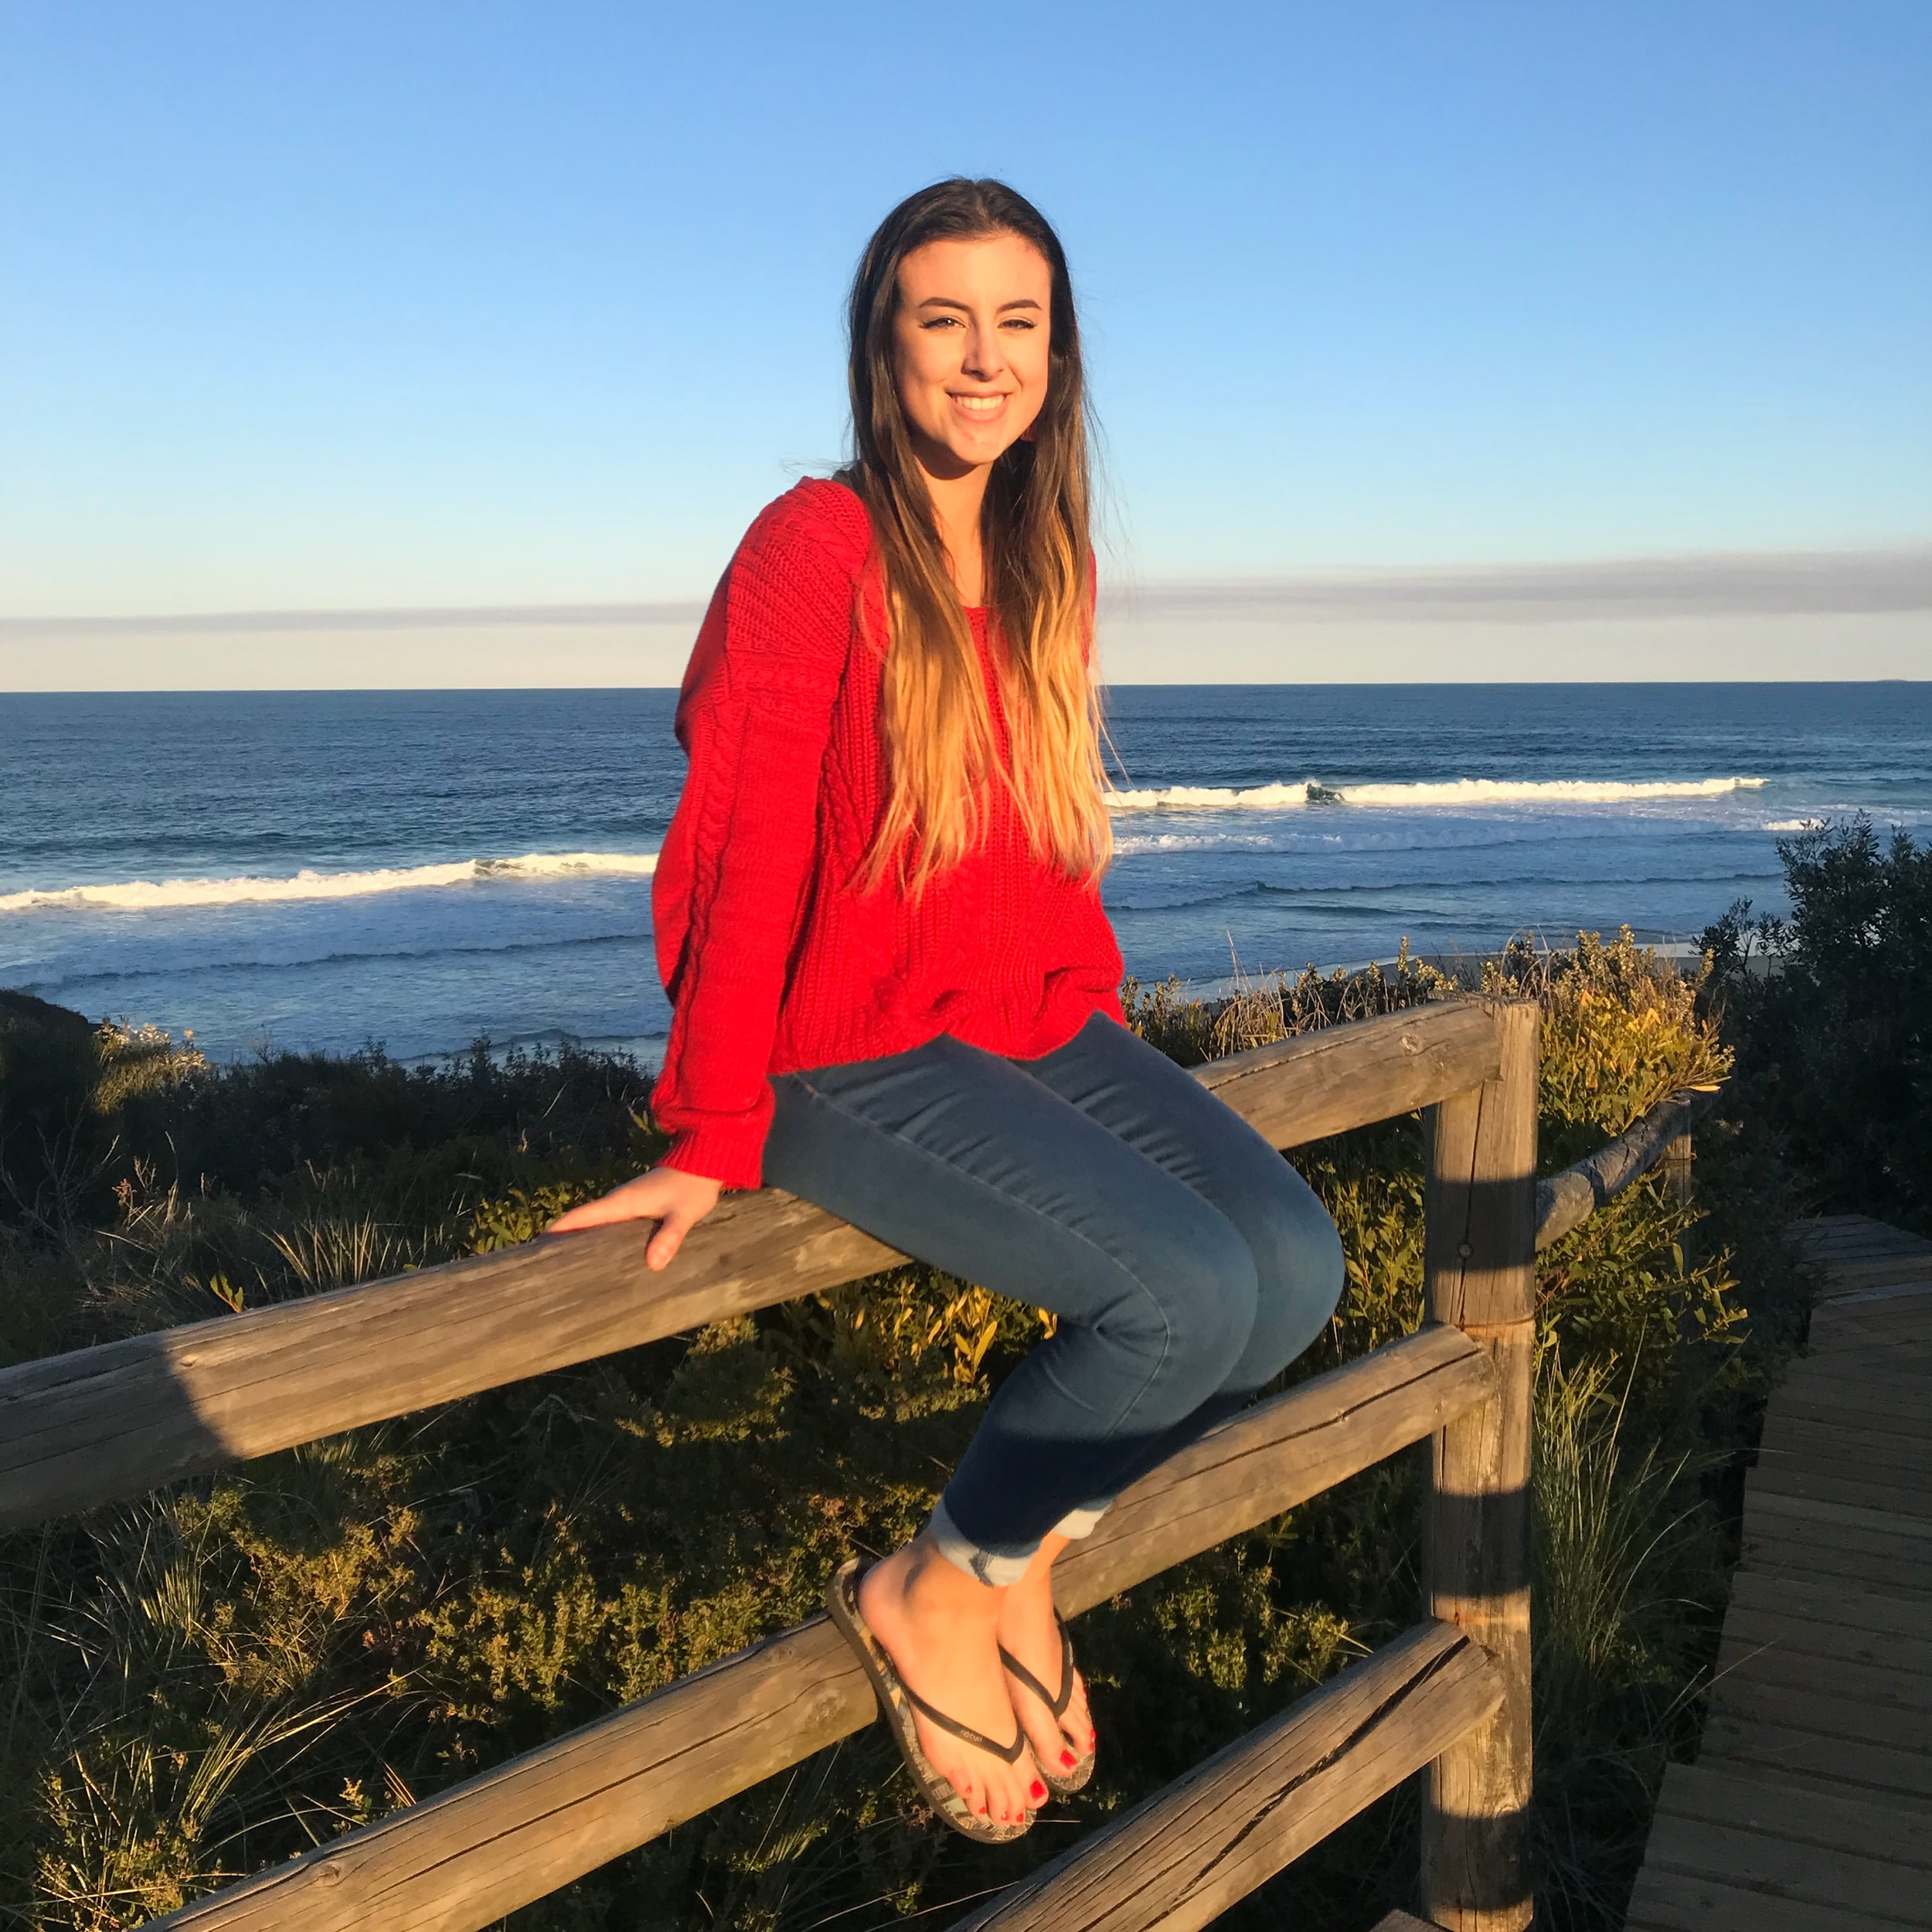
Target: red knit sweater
773,958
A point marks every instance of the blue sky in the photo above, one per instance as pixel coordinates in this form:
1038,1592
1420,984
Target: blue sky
413,303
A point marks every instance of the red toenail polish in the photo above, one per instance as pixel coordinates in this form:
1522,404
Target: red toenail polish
1067,1758
1036,1791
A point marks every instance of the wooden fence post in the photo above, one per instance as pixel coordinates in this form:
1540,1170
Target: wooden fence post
1676,1165
1479,1273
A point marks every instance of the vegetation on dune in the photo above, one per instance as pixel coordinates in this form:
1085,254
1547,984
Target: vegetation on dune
221,1675
1832,1011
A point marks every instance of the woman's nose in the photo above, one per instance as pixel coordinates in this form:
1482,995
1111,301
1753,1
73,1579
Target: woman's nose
983,357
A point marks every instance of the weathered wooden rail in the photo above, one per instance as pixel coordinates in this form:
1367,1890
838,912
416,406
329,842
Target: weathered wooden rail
1450,1697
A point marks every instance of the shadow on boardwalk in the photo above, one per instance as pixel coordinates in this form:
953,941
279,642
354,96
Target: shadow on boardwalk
1810,1807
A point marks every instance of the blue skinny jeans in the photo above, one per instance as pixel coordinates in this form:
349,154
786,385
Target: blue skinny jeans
1188,1263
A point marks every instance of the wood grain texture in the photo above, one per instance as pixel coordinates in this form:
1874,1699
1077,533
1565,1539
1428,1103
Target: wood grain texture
463,1858
1179,1861
81,1429
87,1428
1479,1272
1802,1873
1810,1803
1676,1902
1341,1077
1894,1830
1289,1449
1564,1201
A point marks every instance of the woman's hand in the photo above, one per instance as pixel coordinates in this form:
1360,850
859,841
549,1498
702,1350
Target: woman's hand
675,1200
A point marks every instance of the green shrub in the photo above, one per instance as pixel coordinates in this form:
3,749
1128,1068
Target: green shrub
1832,1009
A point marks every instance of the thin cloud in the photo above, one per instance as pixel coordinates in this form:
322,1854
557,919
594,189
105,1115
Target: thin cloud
453,618
1742,583
1746,583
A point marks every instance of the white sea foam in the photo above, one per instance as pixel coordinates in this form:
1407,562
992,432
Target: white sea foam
150,895
1455,791
1789,824
1187,841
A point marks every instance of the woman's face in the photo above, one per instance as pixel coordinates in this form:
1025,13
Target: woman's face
972,336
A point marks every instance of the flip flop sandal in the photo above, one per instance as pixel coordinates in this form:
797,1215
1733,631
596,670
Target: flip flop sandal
1064,1784
896,1704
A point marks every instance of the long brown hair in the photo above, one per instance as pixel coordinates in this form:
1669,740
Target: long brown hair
935,723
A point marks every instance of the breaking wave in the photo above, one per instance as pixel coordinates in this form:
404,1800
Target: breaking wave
1455,792
146,895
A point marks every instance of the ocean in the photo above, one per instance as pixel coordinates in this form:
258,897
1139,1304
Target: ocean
421,870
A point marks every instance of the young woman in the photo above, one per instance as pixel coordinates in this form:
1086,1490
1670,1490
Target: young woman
893,987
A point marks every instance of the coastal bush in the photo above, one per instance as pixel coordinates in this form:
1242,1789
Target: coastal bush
1831,1009
65,1085
221,1675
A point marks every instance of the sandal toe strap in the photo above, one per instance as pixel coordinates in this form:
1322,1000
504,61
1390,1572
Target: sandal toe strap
1007,1753
1056,1705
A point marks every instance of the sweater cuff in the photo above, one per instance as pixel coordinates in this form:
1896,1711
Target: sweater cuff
729,1153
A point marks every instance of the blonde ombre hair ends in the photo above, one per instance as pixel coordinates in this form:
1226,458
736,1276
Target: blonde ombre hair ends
936,726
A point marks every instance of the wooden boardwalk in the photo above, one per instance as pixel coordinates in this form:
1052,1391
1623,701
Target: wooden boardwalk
1810,1807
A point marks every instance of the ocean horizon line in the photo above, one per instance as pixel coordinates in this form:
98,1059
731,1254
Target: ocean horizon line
188,691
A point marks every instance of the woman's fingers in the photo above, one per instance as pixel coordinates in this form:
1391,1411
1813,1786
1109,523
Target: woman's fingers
629,1202
676,1200
669,1239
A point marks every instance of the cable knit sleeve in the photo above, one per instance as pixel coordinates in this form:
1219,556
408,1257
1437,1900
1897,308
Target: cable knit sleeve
753,717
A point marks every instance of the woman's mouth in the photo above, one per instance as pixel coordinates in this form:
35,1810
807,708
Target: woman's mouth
982,407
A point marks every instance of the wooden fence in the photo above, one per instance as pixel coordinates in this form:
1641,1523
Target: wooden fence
1450,1697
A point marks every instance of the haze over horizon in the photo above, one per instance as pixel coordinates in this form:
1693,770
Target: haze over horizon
438,346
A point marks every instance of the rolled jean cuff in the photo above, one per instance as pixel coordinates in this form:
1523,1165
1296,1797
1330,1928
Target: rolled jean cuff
1078,1523
998,1568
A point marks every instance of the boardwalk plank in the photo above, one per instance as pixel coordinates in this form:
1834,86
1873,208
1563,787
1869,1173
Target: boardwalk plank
1894,1397
1783,1558
1861,1824
1810,1808
1826,1637
1815,1413
1746,1697
1901,1526
1780,1477
1899,1774
1677,1901
1883,1559
1881,1693
1774,1867
1895,1615
1791,1566
1907,1302
1865,1361
1890,1455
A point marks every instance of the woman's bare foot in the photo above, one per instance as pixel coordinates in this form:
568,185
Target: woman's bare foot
940,1627
1027,1629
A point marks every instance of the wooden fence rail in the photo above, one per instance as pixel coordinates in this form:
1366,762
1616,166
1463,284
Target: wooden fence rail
1452,1696
463,1858
112,1421
1183,1858
1566,1201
